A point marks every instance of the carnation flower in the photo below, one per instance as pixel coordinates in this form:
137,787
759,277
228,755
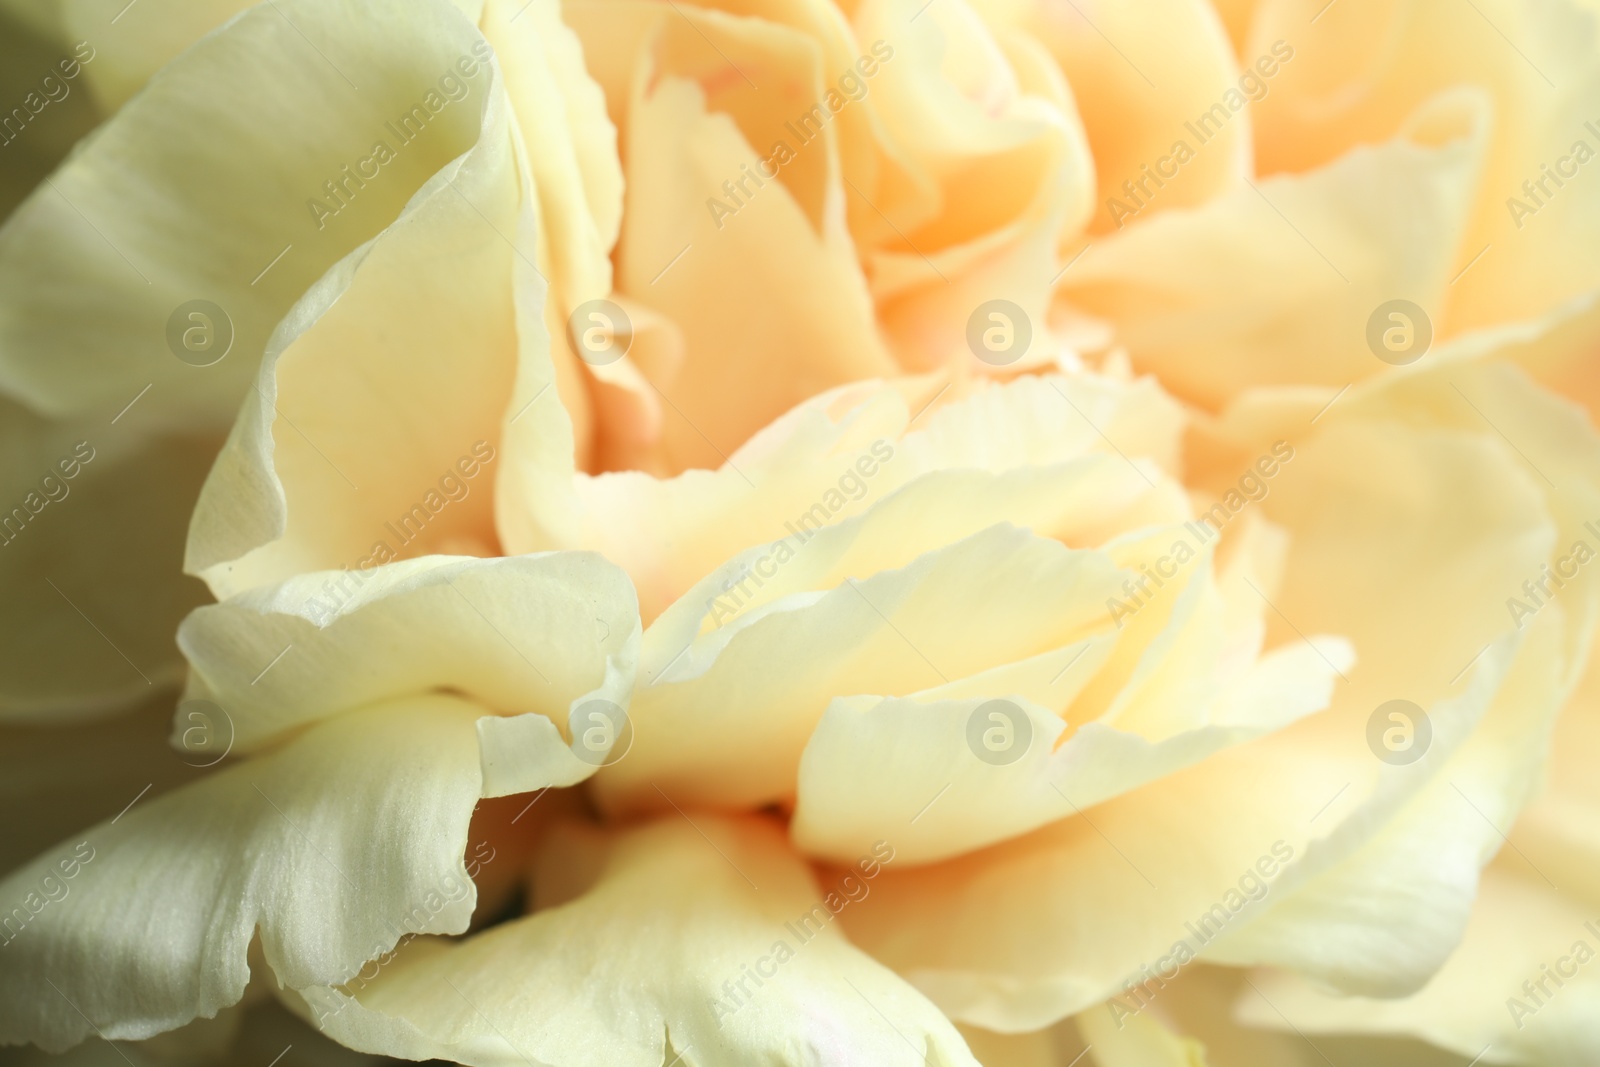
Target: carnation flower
888,532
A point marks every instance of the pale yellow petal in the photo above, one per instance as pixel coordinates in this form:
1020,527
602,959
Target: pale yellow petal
99,262
1275,281
361,442
327,850
528,636
1364,66
680,915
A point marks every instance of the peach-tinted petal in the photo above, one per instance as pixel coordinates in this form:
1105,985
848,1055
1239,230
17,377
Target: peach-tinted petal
1275,282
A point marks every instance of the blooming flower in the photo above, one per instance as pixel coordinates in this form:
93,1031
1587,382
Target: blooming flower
795,532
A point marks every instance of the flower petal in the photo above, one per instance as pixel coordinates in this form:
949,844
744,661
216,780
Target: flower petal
1213,299
680,915
1139,72
1521,931
1370,63
522,634
325,849
96,266
888,633
841,452
360,444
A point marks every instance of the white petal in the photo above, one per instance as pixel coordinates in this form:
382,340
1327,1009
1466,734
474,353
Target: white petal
327,850
677,919
148,215
535,637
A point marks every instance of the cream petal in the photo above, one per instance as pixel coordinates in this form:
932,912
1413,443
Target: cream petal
1160,699
325,849
1139,73
889,633
146,217
1555,349
1011,169
360,444
1521,931
1559,832
1141,1041
1051,923
1275,283
1330,925
841,452
682,911
1057,1046
570,151
703,257
1377,907
1368,64
1340,499
1199,1005
905,768
870,157
535,637
561,113
90,558
126,47
630,412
